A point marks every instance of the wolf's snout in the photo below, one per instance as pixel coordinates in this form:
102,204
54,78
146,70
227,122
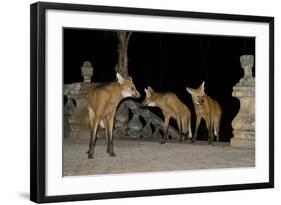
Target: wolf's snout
136,94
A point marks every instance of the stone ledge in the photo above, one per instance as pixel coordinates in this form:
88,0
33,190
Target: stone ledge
242,143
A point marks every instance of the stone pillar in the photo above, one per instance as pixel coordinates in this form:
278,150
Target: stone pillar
134,125
146,131
79,121
78,126
244,123
121,120
68,110
87,71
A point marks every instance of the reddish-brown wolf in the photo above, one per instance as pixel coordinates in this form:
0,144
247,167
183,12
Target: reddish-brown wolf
103,100
208,109
171,107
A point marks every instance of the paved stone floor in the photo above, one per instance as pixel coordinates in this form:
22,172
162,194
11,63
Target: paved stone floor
138,155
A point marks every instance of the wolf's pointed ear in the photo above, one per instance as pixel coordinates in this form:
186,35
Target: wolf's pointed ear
203,86
147,92
119,78
150,89
190,90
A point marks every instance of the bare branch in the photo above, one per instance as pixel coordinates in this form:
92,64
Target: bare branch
128,38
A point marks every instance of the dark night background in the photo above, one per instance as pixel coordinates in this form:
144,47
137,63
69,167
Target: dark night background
166,62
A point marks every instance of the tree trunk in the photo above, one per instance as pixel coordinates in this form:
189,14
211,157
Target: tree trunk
122,63
122,116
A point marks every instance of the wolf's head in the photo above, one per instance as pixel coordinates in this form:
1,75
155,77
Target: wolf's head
149,98
198,94
128,88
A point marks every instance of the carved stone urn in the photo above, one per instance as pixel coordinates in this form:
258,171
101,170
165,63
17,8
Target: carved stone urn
244,123
87,71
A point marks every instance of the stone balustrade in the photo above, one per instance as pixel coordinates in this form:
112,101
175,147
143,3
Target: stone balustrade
151,126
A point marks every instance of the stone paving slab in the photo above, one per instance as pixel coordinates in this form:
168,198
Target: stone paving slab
139,155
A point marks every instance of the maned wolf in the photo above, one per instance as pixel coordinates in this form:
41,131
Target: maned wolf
171,107
103,100
208,109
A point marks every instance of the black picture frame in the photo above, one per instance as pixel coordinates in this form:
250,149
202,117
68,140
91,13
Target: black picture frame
38,101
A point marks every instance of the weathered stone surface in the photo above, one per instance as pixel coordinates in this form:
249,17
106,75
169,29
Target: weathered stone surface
243,139
146,131
121,120
68,111
147,155
134,124
244,123
78,124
